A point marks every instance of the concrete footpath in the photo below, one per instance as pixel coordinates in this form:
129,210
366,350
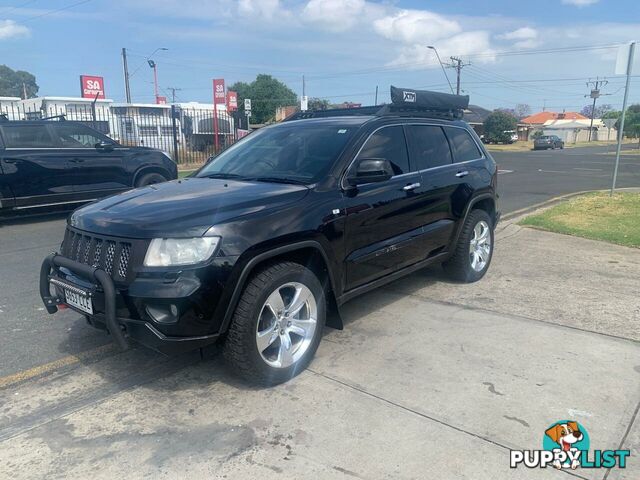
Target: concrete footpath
428,379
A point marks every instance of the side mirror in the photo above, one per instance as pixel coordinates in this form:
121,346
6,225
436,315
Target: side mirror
105,146
370,170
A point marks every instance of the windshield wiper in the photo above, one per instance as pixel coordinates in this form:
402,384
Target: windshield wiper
279,180
222,175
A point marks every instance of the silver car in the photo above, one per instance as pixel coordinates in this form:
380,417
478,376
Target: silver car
548,141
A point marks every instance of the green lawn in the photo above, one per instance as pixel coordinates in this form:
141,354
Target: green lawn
594,215
184,173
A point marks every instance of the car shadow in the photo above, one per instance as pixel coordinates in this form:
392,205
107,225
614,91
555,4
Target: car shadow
139,365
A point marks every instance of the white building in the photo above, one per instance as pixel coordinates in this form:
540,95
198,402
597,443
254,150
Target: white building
73,108
9,108
145,124
572,131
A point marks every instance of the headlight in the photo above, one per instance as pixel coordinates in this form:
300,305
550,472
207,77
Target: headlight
167,252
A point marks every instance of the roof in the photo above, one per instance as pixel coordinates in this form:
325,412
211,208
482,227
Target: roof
571,124
476,114
66,99
542,117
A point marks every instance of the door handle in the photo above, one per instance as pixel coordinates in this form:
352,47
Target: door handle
411,186
462,173
76,160
12,161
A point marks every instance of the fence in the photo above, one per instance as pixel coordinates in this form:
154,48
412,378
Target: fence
187,133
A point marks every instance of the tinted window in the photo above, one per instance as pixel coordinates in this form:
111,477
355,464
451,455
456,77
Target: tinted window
26,136
388,143
286,151
463,146
76,136
428,147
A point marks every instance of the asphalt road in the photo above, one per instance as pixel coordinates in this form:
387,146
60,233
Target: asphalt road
531,177
31,337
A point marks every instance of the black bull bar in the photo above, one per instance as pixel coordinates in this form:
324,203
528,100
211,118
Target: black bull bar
93,274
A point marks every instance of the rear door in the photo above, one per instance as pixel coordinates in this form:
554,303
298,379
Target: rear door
97,171
37,171
383,221
468,172
430,152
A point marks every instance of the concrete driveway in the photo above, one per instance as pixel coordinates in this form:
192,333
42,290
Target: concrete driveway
428,379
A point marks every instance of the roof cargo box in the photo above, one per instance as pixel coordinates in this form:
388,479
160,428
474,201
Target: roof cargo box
409,97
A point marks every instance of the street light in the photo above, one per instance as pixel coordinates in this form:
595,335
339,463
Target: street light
441,65
153,65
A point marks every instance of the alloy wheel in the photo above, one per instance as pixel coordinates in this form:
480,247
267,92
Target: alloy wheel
480,246
287,324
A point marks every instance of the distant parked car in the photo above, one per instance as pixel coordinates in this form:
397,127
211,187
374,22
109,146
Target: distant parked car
548,141
48,163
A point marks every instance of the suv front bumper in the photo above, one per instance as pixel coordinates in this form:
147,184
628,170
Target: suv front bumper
102,286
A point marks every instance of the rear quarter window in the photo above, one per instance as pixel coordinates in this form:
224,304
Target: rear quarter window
26,136
463,146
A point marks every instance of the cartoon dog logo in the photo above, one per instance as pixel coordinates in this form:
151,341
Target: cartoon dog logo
566,435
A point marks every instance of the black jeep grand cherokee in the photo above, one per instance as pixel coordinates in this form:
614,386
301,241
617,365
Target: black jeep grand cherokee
290,222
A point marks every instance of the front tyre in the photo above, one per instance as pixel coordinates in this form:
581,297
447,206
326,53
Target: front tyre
277,325
474,250
150,179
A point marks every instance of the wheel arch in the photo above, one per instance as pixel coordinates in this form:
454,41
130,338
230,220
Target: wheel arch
308,253
484,201
145,169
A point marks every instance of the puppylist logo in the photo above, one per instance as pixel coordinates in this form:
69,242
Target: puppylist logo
565,444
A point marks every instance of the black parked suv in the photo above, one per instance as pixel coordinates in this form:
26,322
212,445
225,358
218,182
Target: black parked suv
50,163
284,226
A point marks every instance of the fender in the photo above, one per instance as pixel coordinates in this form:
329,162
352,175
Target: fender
246,271
150,168
468,209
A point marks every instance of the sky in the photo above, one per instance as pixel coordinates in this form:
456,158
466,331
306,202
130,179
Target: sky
539,53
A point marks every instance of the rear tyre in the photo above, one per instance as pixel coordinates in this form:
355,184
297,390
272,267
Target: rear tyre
150,179
277,324
474,250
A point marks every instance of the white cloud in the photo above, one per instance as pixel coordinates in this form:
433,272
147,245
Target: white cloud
264,9
467,43
580,3
333,15
416,26
526,37
10,29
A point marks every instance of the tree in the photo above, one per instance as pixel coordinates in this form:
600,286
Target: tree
522,110
497,123
14,82
266,94
599,111
632,122
318,104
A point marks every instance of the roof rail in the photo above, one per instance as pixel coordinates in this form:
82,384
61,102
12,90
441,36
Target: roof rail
405,103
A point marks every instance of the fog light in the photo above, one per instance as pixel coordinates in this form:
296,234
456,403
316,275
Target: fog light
163,314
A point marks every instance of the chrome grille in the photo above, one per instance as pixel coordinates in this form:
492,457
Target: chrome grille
113,255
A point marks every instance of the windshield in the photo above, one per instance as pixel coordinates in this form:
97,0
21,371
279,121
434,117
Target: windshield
284,152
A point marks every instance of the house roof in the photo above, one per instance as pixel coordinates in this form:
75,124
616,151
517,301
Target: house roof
542,117
475,114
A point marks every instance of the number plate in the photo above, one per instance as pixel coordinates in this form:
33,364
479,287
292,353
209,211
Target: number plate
78,301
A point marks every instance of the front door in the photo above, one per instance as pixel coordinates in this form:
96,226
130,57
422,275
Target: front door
37,171
97,170
383,222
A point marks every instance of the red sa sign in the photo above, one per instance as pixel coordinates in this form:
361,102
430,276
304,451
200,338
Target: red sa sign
232,101
219,96
91,86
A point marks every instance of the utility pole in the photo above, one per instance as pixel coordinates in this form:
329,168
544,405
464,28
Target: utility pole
595,94
24,90
125,69
173,91
376,102
458,65
304,89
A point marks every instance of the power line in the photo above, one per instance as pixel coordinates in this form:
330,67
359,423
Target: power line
51,12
